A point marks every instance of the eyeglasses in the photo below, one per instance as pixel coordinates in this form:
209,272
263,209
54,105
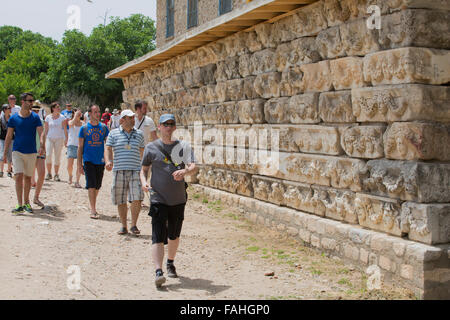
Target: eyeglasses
169,124
12,99
30,100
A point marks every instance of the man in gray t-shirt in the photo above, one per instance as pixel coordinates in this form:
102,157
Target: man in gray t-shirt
170,161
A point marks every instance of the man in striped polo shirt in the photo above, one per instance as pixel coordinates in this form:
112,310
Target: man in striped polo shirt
124,150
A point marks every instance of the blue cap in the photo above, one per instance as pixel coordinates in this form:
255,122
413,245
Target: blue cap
166,117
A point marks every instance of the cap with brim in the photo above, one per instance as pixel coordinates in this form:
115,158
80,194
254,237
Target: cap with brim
5,106
127,113
115,111
166,117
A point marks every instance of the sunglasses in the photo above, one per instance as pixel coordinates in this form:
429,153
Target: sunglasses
169,124
30,100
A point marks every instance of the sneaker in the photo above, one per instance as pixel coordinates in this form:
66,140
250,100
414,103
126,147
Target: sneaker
18,209
48,177
9,174
159,280
57,179
171,271
27,207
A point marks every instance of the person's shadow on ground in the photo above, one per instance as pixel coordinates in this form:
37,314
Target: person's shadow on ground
195,284
51,213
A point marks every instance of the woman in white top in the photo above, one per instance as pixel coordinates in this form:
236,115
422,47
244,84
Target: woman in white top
56,133
75,125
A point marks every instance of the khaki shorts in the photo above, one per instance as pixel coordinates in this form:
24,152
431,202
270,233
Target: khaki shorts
24,163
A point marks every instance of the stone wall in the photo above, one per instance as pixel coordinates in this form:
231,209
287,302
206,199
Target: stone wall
362,118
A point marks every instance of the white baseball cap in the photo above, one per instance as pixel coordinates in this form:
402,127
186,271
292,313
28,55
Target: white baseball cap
127,113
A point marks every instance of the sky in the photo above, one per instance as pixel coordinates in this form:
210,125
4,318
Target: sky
52,17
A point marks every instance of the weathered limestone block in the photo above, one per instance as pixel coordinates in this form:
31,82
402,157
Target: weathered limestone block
251,111
273,137
304,108
226,113
274,110
245,65
300,196
338,172
268,189
221,91
329,43
406,102
267,85
235,90
416,181
234,45
232,135
336,106
347,73
339,11
417,141
210,95
208,73
309,21
317,139
264,35
379,213
249,88
405,65
363,141
227,69
291,82
416,28
297,52
176,82
337,204
357,39
210,114
427,223
263,61
251,41
316,77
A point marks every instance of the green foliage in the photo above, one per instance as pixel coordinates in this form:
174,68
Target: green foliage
76,66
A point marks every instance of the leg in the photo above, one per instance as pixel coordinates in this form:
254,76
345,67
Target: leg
158,255
49,146
26,189
172,248
92,192
40,166
70,168
135,210
59,144
78,175
123,209
19,187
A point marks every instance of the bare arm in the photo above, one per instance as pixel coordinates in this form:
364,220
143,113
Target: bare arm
45,128
64,124
41,134
80,155
8,140
144,176
109,158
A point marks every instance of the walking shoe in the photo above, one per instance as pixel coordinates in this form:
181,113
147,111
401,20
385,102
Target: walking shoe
9,174
18,209
48,177
171,271
159,280
27,207
57,179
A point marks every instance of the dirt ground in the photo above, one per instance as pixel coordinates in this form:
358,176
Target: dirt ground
221,255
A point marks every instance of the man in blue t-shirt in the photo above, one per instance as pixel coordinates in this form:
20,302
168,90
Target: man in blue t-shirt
67,113
91,155
24,125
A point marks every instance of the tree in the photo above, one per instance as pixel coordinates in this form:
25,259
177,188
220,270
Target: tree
25,70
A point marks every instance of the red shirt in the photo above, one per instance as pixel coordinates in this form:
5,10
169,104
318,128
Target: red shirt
106,117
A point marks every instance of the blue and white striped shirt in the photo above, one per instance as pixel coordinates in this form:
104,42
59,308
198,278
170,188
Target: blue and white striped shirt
126,148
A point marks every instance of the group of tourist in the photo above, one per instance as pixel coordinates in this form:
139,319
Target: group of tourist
125,143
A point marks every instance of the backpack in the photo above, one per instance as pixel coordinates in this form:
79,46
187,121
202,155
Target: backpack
3,130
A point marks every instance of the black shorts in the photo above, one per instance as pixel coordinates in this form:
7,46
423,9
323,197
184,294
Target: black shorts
166,222
94,175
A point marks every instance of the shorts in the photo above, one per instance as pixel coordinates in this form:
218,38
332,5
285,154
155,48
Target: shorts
126,183
166,222
2,149
94,175
72,152
24,163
